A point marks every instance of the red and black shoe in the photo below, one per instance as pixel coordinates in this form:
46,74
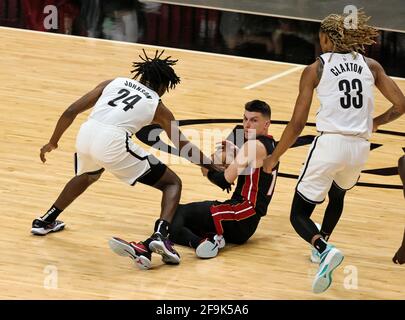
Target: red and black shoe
163,246
136,251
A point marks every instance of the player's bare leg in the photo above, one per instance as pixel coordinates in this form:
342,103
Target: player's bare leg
170,185
72,190
140,252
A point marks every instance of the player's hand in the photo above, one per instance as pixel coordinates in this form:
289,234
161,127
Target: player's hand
269,163
399,257
46,148
228,147
229,189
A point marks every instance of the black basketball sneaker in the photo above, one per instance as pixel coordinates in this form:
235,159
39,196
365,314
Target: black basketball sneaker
163,246
41,227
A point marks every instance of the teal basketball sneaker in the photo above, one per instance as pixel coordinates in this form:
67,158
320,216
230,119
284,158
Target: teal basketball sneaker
331,258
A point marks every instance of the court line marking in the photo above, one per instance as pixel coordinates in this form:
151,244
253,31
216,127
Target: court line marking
221,55
276,76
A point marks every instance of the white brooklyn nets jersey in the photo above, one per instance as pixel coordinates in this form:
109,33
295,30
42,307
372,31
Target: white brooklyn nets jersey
127,104
346,95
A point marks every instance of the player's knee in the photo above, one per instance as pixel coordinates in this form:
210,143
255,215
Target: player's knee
336,193
172,185
176,183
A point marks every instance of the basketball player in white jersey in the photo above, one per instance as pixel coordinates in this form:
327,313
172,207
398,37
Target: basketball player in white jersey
344,80
122,107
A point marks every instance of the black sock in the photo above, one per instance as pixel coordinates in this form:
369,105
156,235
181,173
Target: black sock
320,245
52,214
325,235
162,226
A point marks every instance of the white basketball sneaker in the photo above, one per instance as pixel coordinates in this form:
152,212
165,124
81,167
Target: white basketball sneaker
208,248
331,258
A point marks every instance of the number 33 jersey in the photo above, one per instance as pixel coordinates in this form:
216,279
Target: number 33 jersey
127,104
345,91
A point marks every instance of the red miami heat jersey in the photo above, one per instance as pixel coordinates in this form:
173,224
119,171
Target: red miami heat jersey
257,186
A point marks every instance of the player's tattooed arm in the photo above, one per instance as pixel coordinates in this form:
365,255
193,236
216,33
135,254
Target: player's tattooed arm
388,116
391,91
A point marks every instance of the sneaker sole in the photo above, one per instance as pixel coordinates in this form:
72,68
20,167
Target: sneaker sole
167,257
322,283
43,232
124,249
207,250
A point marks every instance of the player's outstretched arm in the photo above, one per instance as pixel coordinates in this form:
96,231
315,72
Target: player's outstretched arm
391,91
164,117
309,81
67,117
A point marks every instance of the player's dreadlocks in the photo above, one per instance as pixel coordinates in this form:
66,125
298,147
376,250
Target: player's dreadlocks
156,71
345,39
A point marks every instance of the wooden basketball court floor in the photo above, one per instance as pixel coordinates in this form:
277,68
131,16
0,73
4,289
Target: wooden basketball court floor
41,74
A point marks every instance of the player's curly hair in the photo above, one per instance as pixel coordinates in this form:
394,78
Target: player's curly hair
156,71
345,39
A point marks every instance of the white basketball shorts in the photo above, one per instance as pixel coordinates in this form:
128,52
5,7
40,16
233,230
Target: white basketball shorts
332,158
100,146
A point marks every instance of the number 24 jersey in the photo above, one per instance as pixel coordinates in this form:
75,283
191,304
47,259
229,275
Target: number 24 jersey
127,104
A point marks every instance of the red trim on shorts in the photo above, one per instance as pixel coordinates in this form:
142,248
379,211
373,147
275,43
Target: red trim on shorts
230,212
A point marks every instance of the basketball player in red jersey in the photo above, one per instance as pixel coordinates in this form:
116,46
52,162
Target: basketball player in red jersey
207,225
